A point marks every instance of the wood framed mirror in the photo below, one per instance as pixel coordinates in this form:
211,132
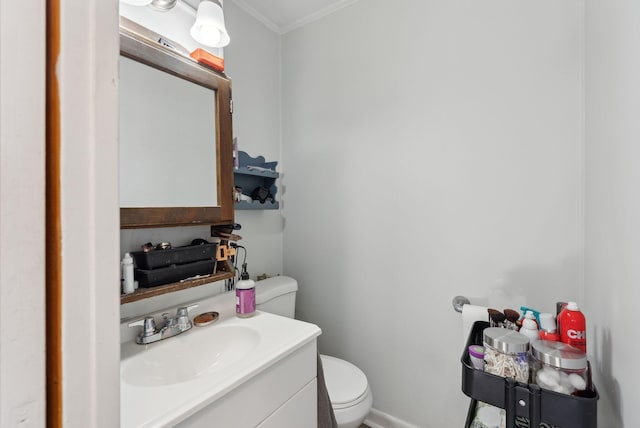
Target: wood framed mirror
196,180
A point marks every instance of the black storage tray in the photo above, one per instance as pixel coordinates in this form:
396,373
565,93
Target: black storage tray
539,406
153,277
174,256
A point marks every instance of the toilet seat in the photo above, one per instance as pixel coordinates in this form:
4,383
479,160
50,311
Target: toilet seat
347,384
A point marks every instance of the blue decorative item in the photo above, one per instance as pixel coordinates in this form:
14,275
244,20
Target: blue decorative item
255,177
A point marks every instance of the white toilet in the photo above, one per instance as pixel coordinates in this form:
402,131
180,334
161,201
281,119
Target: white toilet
347,385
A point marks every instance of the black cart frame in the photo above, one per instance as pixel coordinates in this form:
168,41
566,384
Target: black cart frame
539,406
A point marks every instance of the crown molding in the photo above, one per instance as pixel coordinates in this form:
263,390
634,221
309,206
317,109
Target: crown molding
258,16
332,8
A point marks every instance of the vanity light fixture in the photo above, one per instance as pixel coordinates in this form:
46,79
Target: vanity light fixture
209,29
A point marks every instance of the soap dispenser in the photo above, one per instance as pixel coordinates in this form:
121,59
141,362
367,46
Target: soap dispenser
530,327
245,295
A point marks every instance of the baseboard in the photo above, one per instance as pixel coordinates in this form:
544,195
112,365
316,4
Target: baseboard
378,419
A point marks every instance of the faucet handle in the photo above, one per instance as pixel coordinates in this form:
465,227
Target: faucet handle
183,311
182,316
148,326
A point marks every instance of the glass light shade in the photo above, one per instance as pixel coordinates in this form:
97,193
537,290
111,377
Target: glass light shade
209,29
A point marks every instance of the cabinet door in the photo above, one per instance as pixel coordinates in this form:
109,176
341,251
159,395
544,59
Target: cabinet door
252,402
299,411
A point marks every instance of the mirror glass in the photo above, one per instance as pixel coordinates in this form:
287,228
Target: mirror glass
167,139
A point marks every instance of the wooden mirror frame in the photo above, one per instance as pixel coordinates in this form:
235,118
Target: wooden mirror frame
155,55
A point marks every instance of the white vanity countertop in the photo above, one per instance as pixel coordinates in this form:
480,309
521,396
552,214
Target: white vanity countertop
160,402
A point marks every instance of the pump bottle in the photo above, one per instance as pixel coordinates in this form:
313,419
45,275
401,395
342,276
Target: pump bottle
530,329
245,295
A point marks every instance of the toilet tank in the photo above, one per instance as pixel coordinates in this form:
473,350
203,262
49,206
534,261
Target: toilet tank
277,295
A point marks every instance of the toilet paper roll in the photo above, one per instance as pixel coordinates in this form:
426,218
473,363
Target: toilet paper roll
471,314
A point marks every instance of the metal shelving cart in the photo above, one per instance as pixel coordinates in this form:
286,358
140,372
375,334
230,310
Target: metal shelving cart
526,405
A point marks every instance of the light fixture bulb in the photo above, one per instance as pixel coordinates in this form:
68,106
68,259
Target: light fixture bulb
210,34
209,29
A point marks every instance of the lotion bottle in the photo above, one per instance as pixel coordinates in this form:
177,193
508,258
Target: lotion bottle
127,274
529,315
245,295
530,329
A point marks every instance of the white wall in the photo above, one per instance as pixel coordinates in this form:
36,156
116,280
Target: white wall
612,204
432,149
86,72
22,216
252,61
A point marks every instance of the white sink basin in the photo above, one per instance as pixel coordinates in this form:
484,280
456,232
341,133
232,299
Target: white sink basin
184,357
165,382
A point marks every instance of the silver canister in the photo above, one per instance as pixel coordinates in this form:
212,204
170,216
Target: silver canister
558,367
506,353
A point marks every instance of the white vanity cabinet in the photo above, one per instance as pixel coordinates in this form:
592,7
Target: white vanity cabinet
299,411
284,395
235,373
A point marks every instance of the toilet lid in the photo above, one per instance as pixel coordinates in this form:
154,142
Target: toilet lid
345,382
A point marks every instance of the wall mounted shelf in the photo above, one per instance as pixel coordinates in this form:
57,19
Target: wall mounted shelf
252,173
224,271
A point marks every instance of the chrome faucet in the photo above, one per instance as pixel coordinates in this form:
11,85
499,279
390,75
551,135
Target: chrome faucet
169,327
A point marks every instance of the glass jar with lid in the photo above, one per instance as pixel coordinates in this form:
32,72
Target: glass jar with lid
506,353
558,367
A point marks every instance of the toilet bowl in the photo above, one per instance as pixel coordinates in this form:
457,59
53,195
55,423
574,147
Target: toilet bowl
347,385
349,391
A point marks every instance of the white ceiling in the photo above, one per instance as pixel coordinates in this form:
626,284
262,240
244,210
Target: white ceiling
283,16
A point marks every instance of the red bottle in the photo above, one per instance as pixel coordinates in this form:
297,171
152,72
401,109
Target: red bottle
572,327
